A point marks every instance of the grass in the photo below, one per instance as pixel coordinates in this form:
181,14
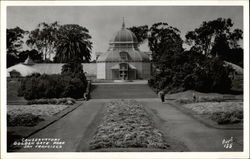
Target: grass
126,124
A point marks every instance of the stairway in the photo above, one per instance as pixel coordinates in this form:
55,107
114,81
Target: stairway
122,91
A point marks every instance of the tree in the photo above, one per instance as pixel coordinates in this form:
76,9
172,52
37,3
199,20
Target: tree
43,38
214,37
190,70
14,40
72,67
73,44
141,32
164,40
33,54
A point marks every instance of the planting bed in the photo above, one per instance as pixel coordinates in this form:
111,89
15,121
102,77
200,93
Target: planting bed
31,115
126,124
220,112
42,110
212,107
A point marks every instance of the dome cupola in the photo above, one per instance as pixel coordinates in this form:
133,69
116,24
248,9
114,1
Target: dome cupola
123,47
123,36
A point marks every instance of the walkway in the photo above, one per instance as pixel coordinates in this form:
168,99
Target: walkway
125,91
78,127
196,136
71,128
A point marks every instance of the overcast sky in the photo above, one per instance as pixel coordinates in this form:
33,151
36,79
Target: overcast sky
103,22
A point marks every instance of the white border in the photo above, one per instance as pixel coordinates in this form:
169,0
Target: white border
137,155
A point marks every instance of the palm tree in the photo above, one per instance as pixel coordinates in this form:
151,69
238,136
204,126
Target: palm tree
73,43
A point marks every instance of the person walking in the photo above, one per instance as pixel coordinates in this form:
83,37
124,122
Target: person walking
162,95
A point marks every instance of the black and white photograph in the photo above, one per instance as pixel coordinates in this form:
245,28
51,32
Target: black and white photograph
107,78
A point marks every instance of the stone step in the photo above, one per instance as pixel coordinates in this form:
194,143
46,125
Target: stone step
122,91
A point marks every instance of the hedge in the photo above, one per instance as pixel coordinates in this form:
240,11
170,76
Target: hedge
38,86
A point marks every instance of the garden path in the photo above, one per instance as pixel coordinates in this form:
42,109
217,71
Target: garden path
77,128
195,135
71,127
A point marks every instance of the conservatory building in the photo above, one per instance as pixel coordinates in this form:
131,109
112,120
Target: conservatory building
123,60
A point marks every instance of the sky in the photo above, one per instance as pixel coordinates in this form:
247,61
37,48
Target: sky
103,21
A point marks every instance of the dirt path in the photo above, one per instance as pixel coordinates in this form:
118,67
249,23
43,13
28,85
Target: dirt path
196,136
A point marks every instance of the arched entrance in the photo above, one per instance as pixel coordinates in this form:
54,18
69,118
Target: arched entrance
123,71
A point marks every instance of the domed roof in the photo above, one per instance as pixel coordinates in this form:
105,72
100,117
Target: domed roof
123,48
124,36
115,56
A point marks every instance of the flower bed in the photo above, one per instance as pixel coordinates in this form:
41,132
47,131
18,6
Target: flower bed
26,119
221,112
31,115
212,107
42,110
126,124
199,99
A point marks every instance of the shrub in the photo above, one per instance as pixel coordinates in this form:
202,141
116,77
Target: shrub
65,101
52,86
71,83
27,119
227,117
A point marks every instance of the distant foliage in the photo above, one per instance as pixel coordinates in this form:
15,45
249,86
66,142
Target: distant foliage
33,54
191,70
202,68
235,56
164,40
141,32
14,41
43,38
216,38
